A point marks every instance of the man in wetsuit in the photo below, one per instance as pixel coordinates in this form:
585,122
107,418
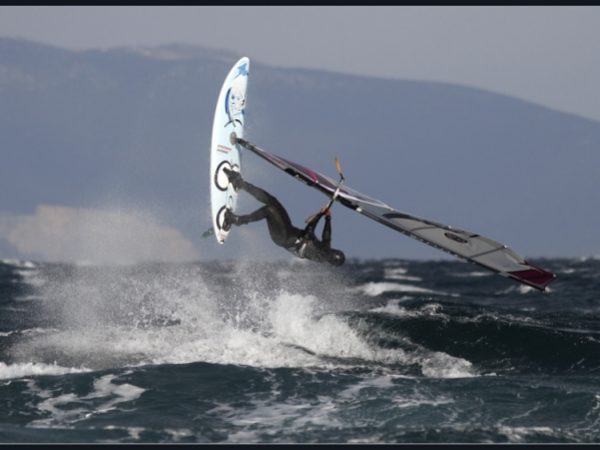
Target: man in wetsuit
302,243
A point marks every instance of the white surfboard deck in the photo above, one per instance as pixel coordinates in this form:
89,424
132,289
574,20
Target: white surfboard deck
229,117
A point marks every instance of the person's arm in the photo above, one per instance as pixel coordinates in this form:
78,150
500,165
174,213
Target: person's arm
326,235
312,224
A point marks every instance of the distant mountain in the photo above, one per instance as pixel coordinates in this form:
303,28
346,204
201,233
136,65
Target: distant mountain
130,128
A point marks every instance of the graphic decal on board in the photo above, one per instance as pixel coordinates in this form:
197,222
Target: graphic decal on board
235,100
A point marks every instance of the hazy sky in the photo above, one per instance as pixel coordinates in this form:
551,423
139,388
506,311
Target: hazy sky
547,54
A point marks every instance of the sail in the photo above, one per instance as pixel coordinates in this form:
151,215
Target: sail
464,244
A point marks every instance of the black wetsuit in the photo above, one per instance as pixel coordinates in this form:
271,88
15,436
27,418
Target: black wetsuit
302,243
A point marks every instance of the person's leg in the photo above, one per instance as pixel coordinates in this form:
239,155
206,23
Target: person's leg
259,194
235,178
255,216
278,221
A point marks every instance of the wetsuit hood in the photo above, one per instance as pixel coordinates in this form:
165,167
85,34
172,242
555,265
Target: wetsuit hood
336,257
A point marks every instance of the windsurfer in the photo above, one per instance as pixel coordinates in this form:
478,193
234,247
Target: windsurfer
302,243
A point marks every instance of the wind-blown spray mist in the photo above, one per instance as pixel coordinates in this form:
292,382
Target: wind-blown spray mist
244,313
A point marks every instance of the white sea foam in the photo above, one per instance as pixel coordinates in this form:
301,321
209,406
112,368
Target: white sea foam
19,263
280,416
289,327
403,402
290,335
395,270
21,370
292,414
134,432
442,365
27,331
32,278
160,317
376,384
373,289
399,273
103,388
394,309
475,274
179,433
521,289
292,321
433,364
520,434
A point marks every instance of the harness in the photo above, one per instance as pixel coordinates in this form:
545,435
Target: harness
298,248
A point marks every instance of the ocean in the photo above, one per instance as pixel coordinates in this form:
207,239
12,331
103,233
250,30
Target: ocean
377,351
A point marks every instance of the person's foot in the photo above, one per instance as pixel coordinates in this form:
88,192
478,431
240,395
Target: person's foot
228,220
234,178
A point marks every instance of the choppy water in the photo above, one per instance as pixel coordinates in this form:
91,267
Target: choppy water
377,351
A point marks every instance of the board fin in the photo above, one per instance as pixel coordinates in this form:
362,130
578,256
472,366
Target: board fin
208,233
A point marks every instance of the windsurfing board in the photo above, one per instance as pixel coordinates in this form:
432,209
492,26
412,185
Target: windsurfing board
229,117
